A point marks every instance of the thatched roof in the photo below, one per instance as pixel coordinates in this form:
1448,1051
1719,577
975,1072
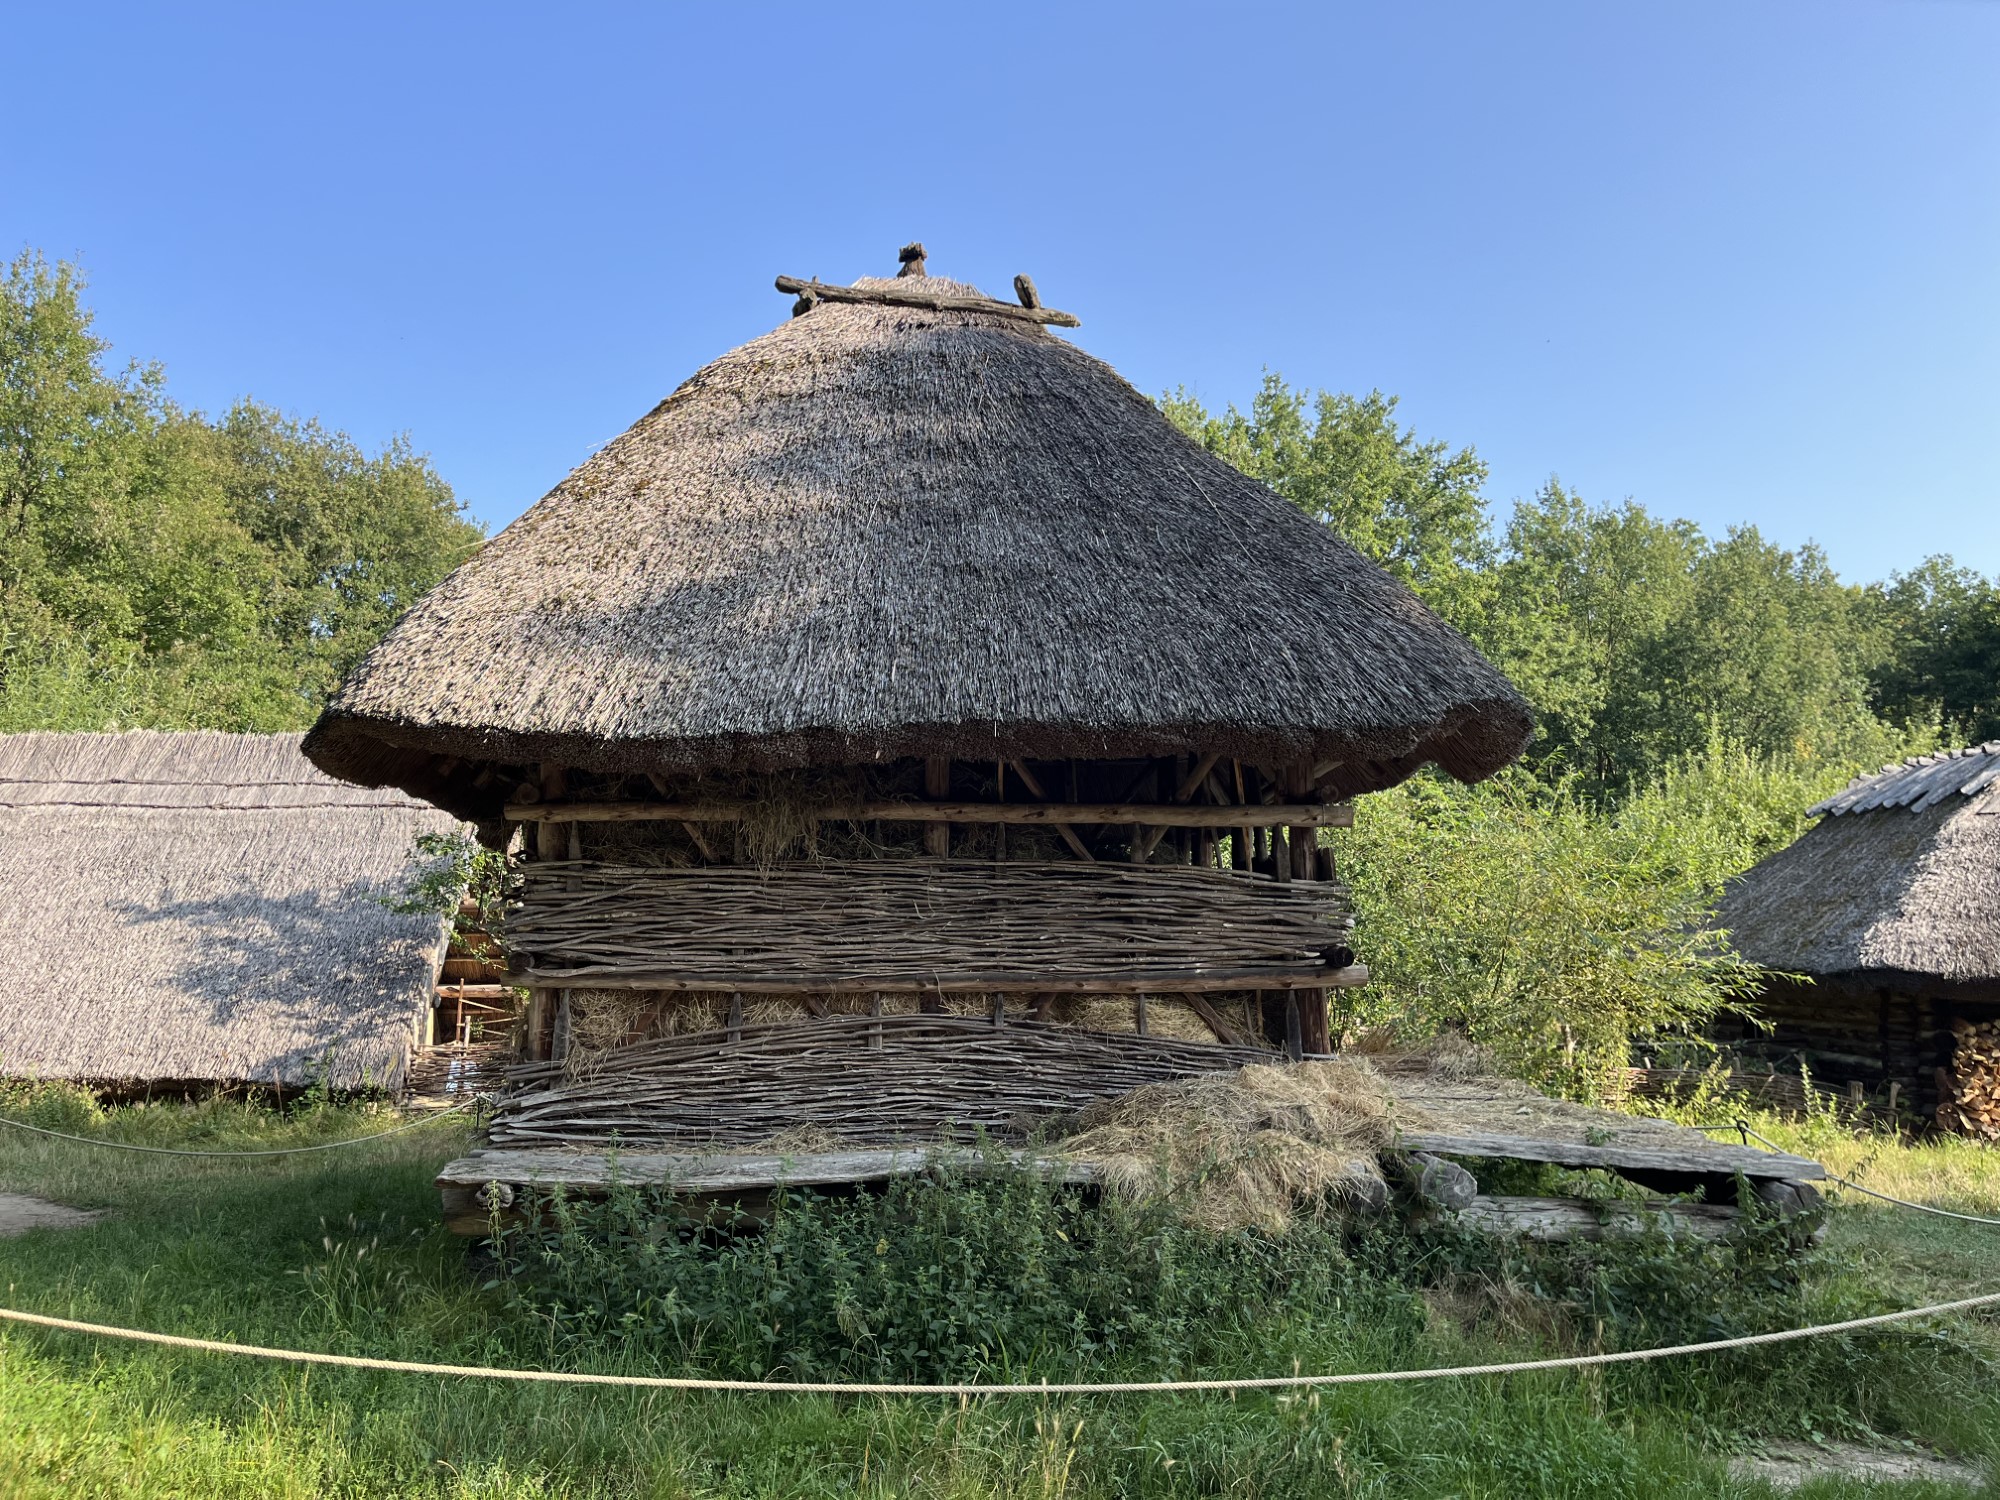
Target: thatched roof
201,907
881,531
1900,880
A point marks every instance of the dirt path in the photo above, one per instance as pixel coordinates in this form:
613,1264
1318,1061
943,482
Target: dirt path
1786,1466
19,1213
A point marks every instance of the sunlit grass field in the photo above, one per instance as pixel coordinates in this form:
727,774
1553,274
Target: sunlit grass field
343,1251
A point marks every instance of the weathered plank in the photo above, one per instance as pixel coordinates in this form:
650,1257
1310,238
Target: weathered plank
1696,1156
716,1172
1579,1219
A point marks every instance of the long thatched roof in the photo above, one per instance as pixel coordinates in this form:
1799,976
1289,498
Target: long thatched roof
1899,882
885,530
202,907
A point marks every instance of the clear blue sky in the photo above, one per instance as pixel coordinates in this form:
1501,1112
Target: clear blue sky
1740,262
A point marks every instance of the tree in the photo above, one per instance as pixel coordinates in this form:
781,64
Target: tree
1942,666
159,569
1414,507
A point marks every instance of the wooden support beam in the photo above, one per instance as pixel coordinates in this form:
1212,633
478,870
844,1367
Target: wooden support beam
937,787
930,985
821,291
1039,814
1194,778
1034,786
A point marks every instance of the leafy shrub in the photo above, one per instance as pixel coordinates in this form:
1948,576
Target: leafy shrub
57,1105
934,1277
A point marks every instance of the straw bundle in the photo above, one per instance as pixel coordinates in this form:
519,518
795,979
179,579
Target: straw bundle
1242,1149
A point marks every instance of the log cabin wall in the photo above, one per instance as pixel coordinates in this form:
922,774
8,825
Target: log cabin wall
1876,1035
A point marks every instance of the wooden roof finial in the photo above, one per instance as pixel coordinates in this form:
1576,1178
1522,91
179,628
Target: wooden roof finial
1024,288
912,258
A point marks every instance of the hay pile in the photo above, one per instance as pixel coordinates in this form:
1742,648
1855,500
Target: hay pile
1243,1149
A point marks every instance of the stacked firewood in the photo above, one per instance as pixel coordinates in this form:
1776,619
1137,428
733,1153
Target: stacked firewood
1975,1067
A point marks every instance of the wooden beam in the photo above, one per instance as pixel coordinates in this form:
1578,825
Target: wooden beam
1034,785
934,301
1040,814
1699,1157
1582,1219
1162,982
1044,814
1197,776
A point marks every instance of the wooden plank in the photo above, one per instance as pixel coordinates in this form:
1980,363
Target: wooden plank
1579,1219
1045,814
1697,1156
690,1172
1162,982
932,301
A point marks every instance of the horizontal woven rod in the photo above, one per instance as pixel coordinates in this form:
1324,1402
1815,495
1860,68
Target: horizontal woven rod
932,301
1149,814
1162,983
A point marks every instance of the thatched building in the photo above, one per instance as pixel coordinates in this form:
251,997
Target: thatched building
191,909
1889,910
906,685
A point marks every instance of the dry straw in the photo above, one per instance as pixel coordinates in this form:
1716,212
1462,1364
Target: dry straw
1901,877
204,908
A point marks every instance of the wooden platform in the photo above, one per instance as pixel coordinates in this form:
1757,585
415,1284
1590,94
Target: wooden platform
1469,1119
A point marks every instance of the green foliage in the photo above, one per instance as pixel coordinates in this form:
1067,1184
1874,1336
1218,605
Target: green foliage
158,569
446,869
954,1275
1946,668
1412,506
1635,637
1558,932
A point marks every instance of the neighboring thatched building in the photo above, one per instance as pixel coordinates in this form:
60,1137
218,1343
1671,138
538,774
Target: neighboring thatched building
189,909
905,714
1891,909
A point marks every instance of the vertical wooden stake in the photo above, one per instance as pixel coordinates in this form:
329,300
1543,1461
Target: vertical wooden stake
1295,1042
736,1015
937,786
1139,1012
875,1025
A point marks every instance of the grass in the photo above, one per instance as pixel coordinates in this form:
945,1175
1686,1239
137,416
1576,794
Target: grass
343,1251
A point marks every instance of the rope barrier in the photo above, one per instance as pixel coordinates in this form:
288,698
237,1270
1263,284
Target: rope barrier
1743,1128
89,1140
1044,1388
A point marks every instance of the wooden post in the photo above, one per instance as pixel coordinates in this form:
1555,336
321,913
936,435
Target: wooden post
736,1016
1315,1027
551,843
1294,1027
1000,795
937,786
875,1023
1303,840
1243,843
1139,1012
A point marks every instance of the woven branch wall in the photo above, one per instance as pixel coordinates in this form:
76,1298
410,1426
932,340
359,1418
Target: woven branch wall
929,924
854,1077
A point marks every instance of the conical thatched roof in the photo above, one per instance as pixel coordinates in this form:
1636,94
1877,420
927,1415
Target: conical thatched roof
1899,881
881,531
203,908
